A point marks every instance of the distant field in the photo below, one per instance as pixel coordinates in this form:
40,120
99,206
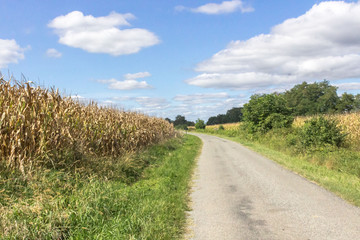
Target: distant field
227,126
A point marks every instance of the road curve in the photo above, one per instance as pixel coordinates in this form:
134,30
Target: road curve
239,194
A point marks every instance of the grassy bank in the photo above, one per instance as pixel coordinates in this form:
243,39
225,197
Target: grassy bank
336,169
146,199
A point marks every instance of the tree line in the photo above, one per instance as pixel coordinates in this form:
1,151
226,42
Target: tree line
304,99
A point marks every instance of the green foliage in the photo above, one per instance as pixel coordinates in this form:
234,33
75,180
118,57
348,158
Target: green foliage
320,132
346,103
200,124
221,127
180,122
265,112
310,99
181,127
233,115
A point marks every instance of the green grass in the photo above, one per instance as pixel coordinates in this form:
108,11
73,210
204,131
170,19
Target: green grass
146,200
334,169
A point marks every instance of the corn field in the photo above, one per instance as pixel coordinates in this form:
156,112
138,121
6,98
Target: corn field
37,125
349,123
227,126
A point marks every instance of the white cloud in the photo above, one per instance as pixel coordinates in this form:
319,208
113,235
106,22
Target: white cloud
201,98
149,103
205,105
221,8
102,34
137,75
129,83
10,52
53,53
126,84
324,43
348,86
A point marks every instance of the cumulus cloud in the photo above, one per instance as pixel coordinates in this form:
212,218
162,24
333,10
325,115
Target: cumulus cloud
53,53
137,75
348,86
219,8
126,84
129,83
324,43
201,98
10,52
205,105
152,103
102,34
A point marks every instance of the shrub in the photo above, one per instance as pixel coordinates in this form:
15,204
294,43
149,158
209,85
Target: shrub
320,132
221,127
200,124
265,112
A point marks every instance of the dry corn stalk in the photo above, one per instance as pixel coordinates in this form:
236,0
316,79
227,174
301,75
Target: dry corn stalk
37,125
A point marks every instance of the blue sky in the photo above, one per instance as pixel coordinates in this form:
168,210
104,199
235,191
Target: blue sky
194,58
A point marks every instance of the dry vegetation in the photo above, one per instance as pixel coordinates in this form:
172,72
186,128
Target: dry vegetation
227,126
38,126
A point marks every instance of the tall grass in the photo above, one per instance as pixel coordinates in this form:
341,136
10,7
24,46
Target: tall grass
40,126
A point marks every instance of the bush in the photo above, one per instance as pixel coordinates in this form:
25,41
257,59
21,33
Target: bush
181,127
200,124
320,132
265,112
278,120
221,127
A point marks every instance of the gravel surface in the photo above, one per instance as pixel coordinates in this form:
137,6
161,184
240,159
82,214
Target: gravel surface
239,194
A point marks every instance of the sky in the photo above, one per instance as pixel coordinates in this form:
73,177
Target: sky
179,57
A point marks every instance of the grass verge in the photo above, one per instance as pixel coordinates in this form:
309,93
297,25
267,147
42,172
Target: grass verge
55,204
317,167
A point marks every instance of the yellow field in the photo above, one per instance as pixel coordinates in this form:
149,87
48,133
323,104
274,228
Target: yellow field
227,126
38,125
349,123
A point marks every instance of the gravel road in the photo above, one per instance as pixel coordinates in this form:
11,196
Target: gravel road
239,194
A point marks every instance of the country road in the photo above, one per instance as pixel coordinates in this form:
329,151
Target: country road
238,194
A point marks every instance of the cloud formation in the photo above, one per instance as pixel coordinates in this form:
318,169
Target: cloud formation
129,83
348,86
324,43
53,53
201,98
10,52
218,8
102,34
137,75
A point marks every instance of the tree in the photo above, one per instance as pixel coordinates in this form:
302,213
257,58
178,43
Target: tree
357,102
234,115
231,116
346,103
310,99
267,111
200,124
169,120
180,120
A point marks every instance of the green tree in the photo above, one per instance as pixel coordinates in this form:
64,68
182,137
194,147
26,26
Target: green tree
346,103
234,115
200,124
180,120
310,99
267,111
